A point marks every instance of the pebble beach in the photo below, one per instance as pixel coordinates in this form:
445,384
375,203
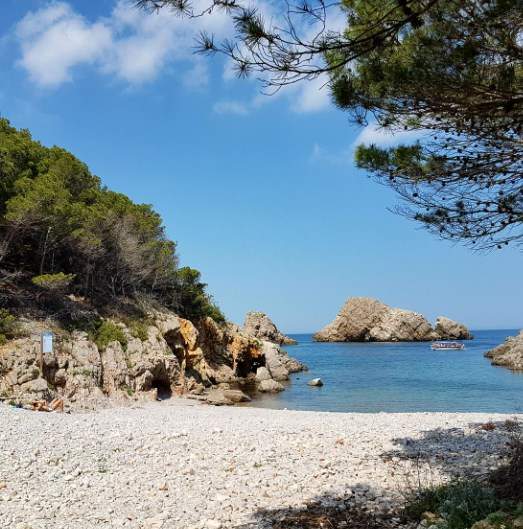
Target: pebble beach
182,465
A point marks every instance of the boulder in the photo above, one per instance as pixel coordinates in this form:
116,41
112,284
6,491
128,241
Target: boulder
262,373
270,386
216,397
39,385
259,325
448,329
275,360
369,320
278,363
235,395
508,354
318,382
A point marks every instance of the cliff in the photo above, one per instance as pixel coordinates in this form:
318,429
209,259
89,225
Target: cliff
173,356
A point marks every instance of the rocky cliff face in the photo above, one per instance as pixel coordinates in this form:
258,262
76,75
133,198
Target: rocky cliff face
508,354
177,357
260,326
370,320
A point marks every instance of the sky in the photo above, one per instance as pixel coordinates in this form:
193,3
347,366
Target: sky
259,192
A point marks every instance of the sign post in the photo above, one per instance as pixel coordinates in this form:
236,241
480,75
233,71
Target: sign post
46,346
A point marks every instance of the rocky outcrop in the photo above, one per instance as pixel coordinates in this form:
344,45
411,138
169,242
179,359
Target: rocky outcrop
451,330
260,326
508,354
369,320
176,357
278,363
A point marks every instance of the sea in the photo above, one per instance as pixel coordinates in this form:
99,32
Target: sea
400,377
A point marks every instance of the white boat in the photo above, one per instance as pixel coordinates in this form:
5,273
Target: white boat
447,345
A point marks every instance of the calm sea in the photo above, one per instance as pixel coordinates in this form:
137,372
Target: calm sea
402,377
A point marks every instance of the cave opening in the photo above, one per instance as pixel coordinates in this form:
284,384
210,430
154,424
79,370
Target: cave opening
247,366
163,388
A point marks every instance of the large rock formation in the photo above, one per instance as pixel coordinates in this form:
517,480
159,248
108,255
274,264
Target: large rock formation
260,326
176,357
451,330
508,354
369,320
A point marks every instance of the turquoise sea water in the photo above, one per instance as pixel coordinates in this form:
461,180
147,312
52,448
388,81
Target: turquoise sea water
401,377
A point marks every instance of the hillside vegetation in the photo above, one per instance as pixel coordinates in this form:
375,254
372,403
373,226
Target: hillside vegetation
64,238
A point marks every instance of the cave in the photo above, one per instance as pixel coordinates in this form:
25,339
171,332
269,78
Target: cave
248,365
163,388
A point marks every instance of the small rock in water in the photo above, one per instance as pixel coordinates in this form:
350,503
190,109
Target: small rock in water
318,382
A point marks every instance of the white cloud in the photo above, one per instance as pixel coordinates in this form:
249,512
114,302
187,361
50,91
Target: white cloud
231,107
131,45
55,39
312,96
136,47
197,76
372,134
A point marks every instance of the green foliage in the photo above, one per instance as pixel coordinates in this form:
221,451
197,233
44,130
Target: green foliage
128,390
109,332
449,72
195,303
459,504
61,229
8,326
138,329
53,282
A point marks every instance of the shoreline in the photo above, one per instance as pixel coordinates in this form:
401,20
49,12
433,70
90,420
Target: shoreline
179,464
181,401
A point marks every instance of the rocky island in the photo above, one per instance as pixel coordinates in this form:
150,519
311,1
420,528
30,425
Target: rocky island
508,354
364,319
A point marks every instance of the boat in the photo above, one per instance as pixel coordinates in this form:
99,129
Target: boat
447,345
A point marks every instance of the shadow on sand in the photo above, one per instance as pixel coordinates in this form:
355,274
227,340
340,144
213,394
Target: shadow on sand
456,452
449,453
329,512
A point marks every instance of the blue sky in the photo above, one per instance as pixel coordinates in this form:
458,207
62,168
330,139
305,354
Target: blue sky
259,192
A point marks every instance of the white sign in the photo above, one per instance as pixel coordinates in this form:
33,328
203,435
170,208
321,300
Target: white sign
47,342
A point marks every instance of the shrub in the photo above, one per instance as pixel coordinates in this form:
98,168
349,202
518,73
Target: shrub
81,320
138,329
194,302
109,332
8,326
459,504
508,479
53,282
